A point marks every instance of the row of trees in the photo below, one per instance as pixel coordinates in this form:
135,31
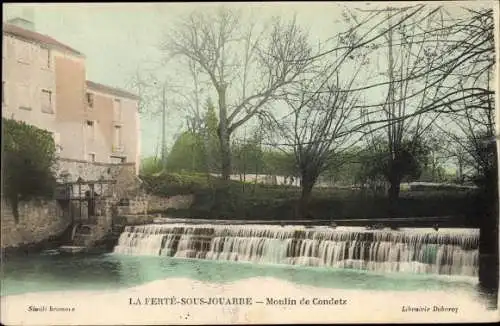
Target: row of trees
393,77
358,166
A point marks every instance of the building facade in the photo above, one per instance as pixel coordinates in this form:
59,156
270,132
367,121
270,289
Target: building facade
44,84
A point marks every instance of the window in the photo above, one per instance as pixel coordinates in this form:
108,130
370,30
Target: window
90,129
118,159
23,52
90,100
117,109
24,97
91,157
47,101
45,57
117,143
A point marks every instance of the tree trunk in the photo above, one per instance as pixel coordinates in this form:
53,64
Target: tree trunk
394,190
225,155
14,203
488,210
206,152
223,194
433,168
460,171
303,205
224,135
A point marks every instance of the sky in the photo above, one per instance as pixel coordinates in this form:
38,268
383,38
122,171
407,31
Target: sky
119,39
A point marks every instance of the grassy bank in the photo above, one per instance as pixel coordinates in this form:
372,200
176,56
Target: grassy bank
276,202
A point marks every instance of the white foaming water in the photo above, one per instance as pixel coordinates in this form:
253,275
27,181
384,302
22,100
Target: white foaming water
447,251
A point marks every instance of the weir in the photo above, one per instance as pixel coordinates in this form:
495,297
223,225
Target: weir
412,250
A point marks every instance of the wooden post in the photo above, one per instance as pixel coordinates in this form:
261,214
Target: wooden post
79,198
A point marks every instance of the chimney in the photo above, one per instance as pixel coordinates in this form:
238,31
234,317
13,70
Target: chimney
25,19
23,23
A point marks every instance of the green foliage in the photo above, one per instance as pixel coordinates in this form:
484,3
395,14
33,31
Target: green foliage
197,150
483,152
484,155
200,151
187,154
279,163
211,121
151,165
436,174
276,202
377,162
345,167
211,143
29,155
248,157
170,184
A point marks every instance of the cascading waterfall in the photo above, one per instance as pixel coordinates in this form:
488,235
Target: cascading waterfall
414,250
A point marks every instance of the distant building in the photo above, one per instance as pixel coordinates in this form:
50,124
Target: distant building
44,84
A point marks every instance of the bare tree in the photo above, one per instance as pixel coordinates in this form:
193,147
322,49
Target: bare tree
469,104
146,84
325,114
455,50
225,51
152,101
404,126
471,129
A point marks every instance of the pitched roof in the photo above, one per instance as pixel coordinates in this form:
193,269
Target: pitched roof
111,90
37,37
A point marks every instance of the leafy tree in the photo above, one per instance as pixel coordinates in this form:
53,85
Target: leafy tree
211,139
187,154
483,151
279,163
197,149
347,167
248,157
28,161
151,165
379,163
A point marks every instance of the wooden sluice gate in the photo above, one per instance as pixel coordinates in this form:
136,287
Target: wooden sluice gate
85,202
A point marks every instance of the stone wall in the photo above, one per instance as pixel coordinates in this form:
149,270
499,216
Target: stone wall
127,182
104,221
156,203
91,170
38,221
137,219
137,205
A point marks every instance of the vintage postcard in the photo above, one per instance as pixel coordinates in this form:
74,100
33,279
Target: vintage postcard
249,163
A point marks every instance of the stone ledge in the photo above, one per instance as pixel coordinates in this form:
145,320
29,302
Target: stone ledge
70,160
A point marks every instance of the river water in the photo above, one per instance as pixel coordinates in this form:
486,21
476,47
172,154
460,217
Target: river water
382,274
114,271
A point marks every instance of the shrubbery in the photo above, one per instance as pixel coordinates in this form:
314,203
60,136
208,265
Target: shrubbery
170,184
29,155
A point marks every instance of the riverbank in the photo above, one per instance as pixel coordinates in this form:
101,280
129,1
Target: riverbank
349,207
251,202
